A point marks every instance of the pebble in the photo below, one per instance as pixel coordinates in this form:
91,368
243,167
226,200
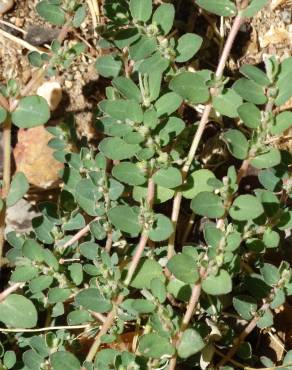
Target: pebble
6,5
52,92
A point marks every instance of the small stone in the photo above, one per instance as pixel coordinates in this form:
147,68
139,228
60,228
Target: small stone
68,84
38,35
6,5
19,22
35,159
52,92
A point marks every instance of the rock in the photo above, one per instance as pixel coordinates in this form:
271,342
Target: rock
6,5
52,92
38,35
19,217
35,159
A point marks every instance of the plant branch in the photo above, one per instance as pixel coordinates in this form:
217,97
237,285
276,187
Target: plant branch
203,122
80,234
4,102
9,290
48,328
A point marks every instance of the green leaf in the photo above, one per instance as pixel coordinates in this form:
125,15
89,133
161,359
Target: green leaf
57,295
183,268
250,115
190,86
128,88
268,159
227,103
89,250
122,109
78,317
208,204
19,186
163,17
161,229
270,274
190,344
3,115
197,182
51,13
129,173
142,48
117,149
246,207
87,196
217,284
79,16
283,122
236,143
40,283
76,273
125,219
17,311
147,270
142,306
158,289
23,273
9,359
283,83
250,91
31,111
266,320
167,104
62,360
154,346
187,47
224,8
35,59
245,306
161,194
91,299
271,238
32,360
168,178
254,7
141,10
254,73
108,66
172,128
154,63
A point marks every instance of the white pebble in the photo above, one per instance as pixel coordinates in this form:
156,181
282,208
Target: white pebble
52,92
6,5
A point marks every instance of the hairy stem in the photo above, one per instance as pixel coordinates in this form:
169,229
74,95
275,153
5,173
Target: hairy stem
80,234
203,122
9,290
135,261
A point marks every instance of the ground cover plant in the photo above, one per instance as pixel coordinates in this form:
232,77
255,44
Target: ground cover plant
151,258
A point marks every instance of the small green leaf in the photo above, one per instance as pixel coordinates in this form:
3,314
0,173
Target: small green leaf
208,204
224,8
76,273
91,299
163,17
183,268
141,10
266,320
142,48
190,86
9,359
187,47
217,284
197,182
167,104
271,238
236,143
24,273
254,73
78,317
190,344
154,63
129,173
270,274
40,283
250,91
57,295
254,7
283,83
31,111
227,103
122,109
51,13
79,16
117,149
62,360
17,311
268,159
161,229
246,207
19,186
168,178
250,115
154,346
128,88
245,306
3,115
108,66
147,270
87,196
283,122
125,219
158,289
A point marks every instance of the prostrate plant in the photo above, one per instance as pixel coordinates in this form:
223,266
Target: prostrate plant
104,267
